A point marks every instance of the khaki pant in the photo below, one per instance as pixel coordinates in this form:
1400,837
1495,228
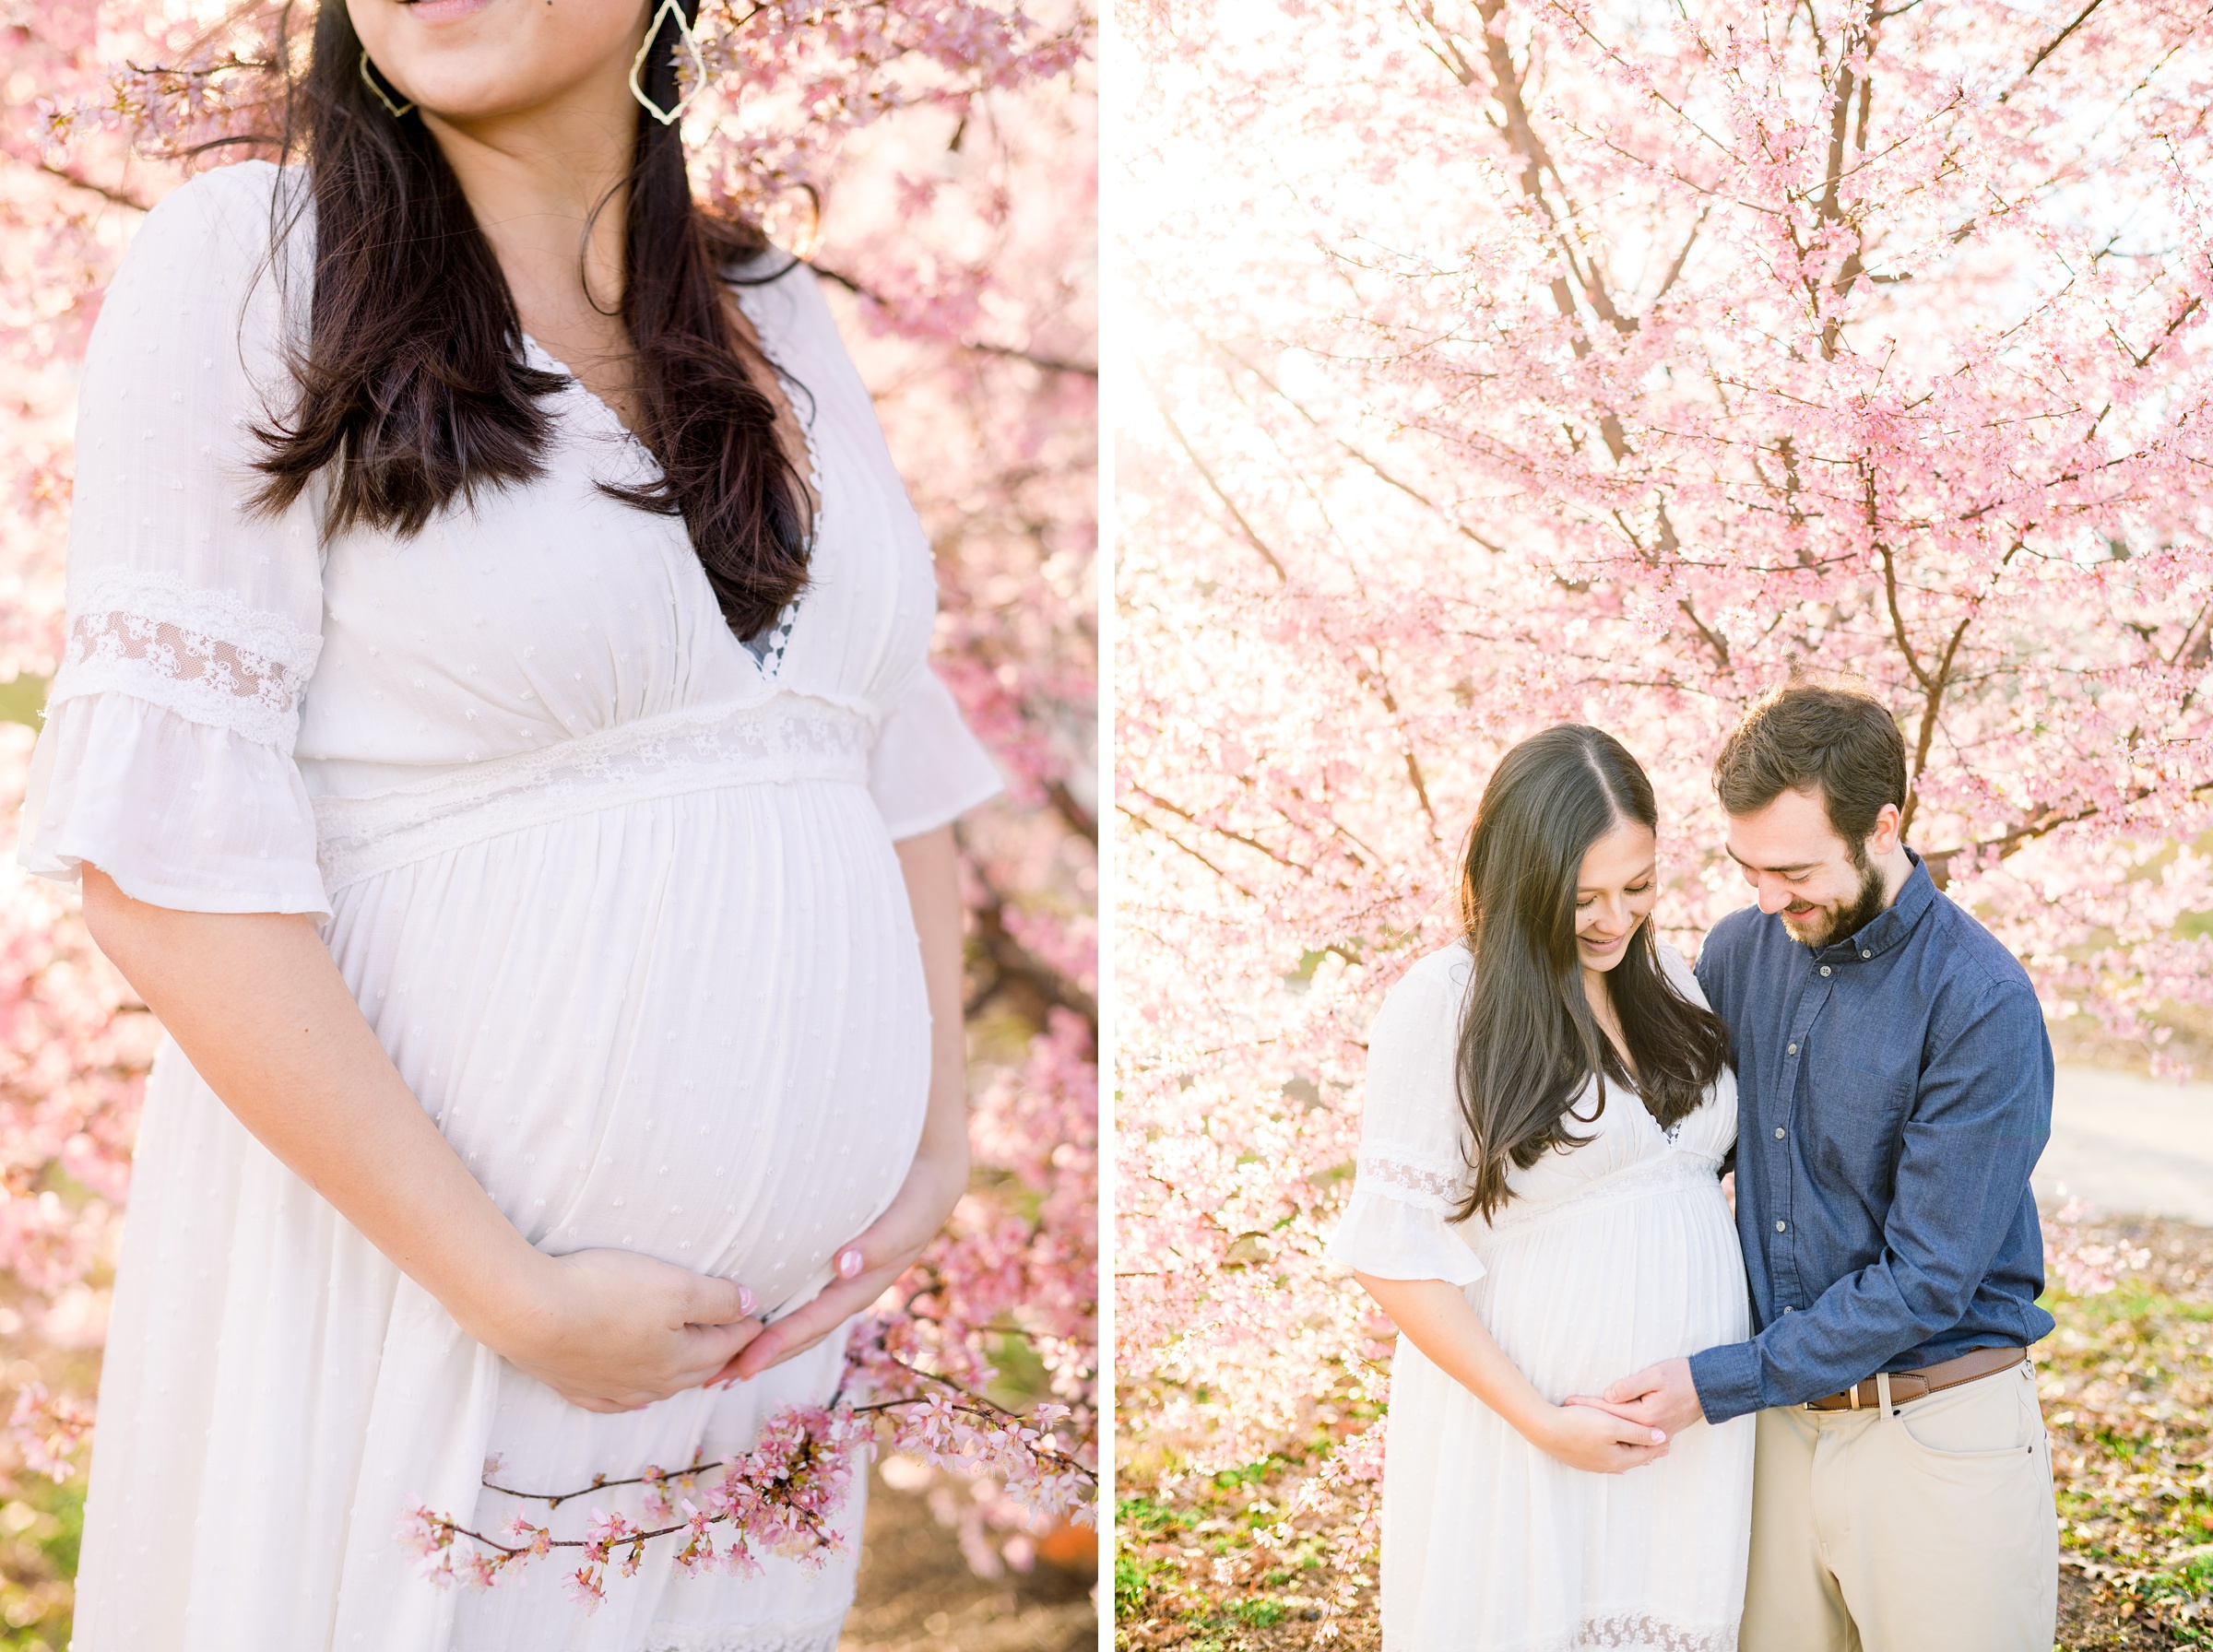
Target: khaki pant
1925,1527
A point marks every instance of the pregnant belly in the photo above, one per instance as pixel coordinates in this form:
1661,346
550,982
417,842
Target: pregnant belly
1598,1292
694,1027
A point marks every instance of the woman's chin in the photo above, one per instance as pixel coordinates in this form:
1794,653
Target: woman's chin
1602,961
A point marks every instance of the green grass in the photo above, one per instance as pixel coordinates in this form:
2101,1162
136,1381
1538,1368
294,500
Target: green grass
40,1526
22,700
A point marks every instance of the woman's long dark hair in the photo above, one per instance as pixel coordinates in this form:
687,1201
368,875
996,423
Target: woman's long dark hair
413,389
1528,1040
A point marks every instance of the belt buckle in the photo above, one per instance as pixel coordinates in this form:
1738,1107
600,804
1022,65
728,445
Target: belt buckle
1851,1396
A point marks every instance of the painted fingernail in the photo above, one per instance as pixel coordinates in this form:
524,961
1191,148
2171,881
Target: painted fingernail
849,1264
1659,1438
745,1299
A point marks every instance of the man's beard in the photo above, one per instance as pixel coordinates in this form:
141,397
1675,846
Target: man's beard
1866,906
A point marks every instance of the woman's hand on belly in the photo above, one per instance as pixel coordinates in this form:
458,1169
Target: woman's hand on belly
866,1266
610,1331
1438,1318
258,1007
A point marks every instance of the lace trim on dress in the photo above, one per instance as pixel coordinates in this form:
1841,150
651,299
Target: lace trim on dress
1634,1180
767,648
815,1634
787,738
1412,1176
205,655
1642,1631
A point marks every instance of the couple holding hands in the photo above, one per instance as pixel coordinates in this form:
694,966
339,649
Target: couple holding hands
1620,1417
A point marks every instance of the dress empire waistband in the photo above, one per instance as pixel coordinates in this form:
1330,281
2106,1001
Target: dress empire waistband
786,737
1675,1167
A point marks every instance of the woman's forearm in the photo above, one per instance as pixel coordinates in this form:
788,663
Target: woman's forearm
1437,1319
260,1008
931,868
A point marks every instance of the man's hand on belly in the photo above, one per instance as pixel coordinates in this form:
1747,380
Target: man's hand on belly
1660,1396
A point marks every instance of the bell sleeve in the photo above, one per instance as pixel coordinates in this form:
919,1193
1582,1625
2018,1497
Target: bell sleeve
927,768
193,623
1412,1169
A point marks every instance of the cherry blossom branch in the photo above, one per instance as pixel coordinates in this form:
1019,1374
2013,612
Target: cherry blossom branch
861,290
76,180
781,1496
2052,45
1245,528
1015,964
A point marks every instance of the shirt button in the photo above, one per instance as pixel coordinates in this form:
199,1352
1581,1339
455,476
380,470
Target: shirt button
1790,1310
1825,969
1781,1226
1867,954
1792,1051
1779,1132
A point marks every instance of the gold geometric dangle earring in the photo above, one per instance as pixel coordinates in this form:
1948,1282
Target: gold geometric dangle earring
687,41
369,80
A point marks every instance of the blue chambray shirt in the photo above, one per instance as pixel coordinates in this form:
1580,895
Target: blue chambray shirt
1894,1091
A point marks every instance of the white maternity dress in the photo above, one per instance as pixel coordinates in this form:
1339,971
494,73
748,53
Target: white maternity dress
618,898
1606,1259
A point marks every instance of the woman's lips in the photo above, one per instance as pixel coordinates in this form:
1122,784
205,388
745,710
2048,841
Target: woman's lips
442,11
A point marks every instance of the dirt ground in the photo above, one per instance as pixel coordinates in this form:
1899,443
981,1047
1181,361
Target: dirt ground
2090,1621
918,1594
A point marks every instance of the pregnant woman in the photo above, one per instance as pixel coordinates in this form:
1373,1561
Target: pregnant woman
1548,1106
495,739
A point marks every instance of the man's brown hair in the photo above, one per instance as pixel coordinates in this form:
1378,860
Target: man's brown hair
1803,735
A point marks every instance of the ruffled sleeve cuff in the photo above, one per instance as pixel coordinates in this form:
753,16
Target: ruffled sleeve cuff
928,770
1395,1239
178,813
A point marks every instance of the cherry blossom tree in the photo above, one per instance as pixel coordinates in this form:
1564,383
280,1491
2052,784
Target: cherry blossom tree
1504,363
937,163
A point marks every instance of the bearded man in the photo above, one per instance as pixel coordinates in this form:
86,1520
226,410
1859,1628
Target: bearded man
1894,1093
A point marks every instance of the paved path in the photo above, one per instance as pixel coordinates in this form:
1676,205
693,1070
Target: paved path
2130,1144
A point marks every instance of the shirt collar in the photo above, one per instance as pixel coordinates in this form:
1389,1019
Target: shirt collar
1889,928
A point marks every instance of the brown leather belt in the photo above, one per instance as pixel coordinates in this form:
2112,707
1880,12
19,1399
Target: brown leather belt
1930,1379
